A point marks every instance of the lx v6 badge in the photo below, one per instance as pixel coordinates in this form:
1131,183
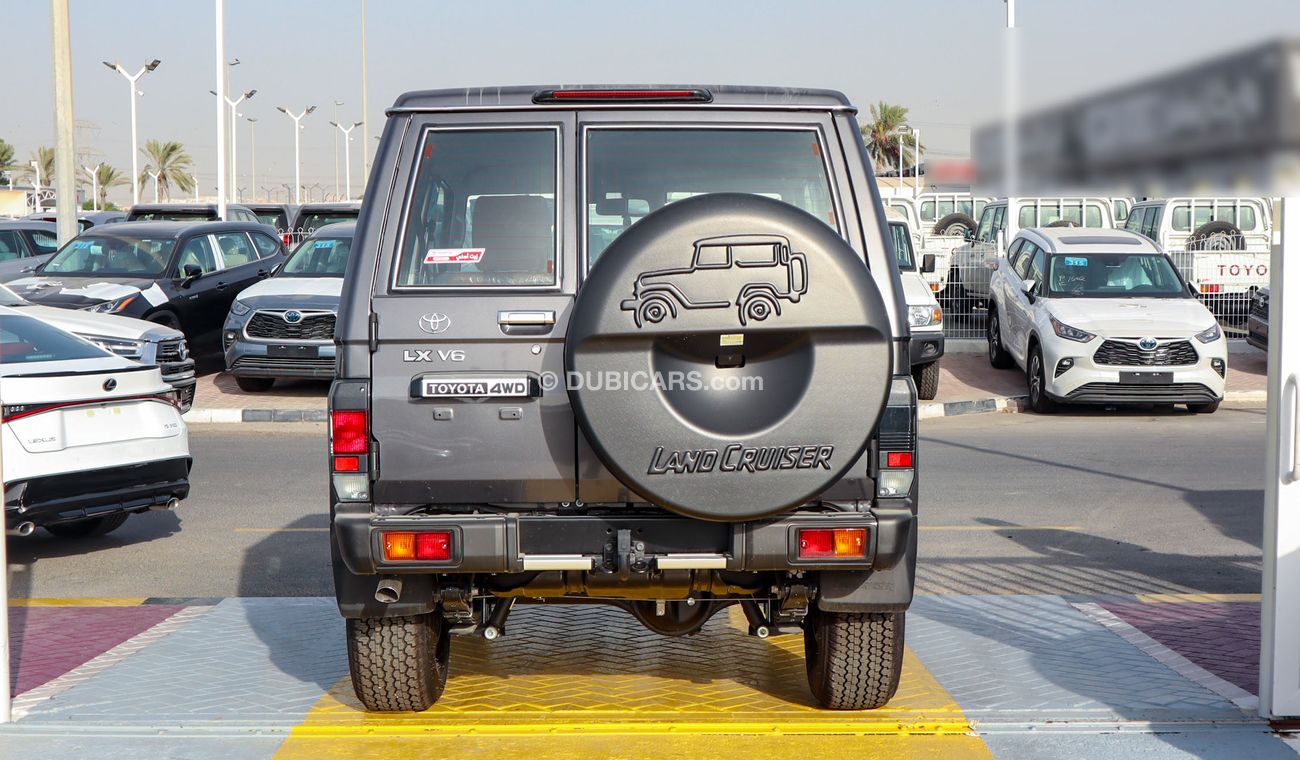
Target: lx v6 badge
422,355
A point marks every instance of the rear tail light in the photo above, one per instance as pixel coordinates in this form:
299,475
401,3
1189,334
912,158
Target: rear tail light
347,464
897,440
422,546
1211,288
832,543
13,412
898,459
349,431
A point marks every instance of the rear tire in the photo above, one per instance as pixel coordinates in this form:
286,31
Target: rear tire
95,526
1037,379
398,663
854,659
958,224
1217,236
1209,408
254,384
998,355
926,377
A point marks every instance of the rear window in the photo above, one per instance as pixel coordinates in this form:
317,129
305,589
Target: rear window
632,172
170,215
482,210
311,221
276,219
1242,217
24,340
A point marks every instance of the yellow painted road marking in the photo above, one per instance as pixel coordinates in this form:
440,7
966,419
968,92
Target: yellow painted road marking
577,681
102,602
1195,598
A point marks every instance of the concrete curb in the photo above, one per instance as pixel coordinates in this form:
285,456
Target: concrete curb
229,416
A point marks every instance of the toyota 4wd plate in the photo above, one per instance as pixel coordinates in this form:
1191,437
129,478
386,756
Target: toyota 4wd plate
474,386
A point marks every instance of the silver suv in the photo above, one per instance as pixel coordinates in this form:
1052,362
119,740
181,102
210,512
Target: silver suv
639,346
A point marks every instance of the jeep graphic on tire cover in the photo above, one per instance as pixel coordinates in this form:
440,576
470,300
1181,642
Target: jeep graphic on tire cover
744,351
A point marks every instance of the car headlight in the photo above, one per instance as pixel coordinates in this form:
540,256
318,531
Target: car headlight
1071,333
239,308
112,307
922,316
1210,334
131,349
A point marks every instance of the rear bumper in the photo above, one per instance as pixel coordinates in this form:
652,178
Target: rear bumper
70,496
523,543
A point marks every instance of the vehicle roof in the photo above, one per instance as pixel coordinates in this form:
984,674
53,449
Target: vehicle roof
173,229
28,224
331,206
1199,199
336,230
1050,199
1089,240
521,96
182,206
277,206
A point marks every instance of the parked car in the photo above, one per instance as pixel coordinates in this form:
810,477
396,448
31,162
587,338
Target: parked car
183,275
471,462
1257,322
284,326
277,215
24,245
189,212
1103,318
88,438
950,215
311,216
148,343
924,317
85,219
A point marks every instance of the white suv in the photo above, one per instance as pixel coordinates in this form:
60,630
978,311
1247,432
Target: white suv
1102,317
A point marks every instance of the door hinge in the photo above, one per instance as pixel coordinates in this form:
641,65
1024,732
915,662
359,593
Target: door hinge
374,332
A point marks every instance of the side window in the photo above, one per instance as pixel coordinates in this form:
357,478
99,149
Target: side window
1036,267
1014,252
927,211
1246,218
44,242
198,251
1092,216
1151,223
266,245
236,250
1026,258
999,221
1120,209
1134,221
984,233
10,246
1028,217
1073,212
946,208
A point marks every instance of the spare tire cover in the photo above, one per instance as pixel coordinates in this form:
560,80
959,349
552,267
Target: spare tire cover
728,357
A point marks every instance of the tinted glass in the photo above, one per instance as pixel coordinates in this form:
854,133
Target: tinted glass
170,215
482,211
236,249
1118,275
266,245
11,246
24,340
45,242
112,256
276,219
985,230
1134,222
1120,209
631,172
197,252
902,246
319,258
310,221
927,210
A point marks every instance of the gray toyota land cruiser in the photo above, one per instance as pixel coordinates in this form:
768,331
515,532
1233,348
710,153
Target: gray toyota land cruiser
644,347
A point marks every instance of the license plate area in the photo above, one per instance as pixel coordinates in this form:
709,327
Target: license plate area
1146,378
286,351
476,385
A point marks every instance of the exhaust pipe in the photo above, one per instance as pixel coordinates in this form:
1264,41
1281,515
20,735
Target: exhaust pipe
22,529
170,505
389,590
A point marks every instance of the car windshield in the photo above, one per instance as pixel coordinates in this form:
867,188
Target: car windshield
104,255
314,220
902,246
319,257
24,340
1114,275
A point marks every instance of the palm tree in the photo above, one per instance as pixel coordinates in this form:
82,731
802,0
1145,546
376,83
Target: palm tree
107,177
882,135
171,163
44,158
6,158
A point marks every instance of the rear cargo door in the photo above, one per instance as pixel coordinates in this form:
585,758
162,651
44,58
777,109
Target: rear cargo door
468,401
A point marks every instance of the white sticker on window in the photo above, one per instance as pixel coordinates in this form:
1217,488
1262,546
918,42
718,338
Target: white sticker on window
454,255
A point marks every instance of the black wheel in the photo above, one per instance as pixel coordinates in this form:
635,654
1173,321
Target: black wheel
854,659
926,377
757,308
95,526
164,318
1038,399
1209,408
254,384
958,224
998,355
1217,236
398,663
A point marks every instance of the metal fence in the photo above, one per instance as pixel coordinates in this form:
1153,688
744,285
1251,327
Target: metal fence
1225,282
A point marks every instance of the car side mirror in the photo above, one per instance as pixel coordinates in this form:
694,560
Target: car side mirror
1192,289
1028,287
970,235
190,273
927,263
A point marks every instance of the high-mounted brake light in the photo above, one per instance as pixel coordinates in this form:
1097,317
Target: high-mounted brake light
349,432
615,95
832,543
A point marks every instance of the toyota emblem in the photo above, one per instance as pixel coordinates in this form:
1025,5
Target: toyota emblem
110,384
435,323
293,316
1148,344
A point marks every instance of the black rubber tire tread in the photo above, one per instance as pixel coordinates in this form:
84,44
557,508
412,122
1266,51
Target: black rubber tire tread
854,659
1042,404
398,663
164,318
926,377
999,357
254,384
1200,238
95,526
966,220
1209,408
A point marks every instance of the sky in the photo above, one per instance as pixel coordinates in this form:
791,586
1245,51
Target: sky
939,58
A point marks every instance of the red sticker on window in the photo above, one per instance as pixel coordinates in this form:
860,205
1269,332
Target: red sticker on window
454,255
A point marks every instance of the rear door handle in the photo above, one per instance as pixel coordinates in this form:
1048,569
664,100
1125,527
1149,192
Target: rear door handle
221,286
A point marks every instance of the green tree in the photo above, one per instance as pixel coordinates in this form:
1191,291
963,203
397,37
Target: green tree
883,138
6,159
172,165
106,177
44,158
105,206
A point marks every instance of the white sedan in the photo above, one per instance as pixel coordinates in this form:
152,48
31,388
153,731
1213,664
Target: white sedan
1102,317
88,437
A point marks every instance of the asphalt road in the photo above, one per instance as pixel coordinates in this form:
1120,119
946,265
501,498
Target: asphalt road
1087,502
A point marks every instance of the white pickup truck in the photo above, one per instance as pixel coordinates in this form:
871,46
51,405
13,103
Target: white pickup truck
1221,245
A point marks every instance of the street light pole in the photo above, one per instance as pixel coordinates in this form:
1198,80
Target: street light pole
135,147
234,137
916,159
155,176
297,155
347,155
195,178
337,103
365,98
221,111
252,143
94,184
